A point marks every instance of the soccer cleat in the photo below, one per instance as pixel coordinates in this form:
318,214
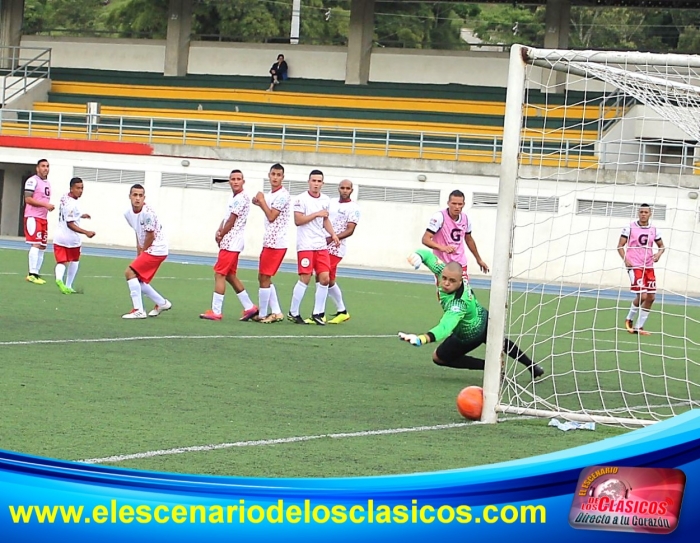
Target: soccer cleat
629,326
319,319
158,309
272,317
33,278
211,316
296,319
339,317
63,288
135,314
642,332
536,371
249,313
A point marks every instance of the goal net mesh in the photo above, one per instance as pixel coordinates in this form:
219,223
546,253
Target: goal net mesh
601,135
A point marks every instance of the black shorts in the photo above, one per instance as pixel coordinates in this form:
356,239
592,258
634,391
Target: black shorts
454,348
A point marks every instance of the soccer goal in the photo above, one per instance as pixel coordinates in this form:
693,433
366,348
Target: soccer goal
590,136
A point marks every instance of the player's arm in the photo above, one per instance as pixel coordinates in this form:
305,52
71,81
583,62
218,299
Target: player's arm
270,212
433,263
427,240
443,329
76,228
349,231
30,200
471,245
662,249
329,228
225,227
300,219
621,250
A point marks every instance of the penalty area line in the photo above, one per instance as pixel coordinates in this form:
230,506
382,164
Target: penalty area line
261,442
153,338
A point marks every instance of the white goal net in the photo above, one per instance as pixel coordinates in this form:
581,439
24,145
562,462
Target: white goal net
590,137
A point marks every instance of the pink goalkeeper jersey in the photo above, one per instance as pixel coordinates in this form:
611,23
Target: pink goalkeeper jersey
447,231
640,244
41,191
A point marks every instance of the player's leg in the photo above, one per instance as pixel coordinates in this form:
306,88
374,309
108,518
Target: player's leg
452,353
275,309
305,268
636,281
33,235
221,270
73,265
336,294
270,261
321,264
139,275
648,295
134,285
250,310
61,255
512,350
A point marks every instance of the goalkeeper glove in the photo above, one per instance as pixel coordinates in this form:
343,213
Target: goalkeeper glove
413,339
415,260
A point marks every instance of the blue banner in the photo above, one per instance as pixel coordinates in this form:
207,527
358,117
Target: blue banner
565,494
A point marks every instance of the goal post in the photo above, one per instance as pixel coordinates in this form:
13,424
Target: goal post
588,137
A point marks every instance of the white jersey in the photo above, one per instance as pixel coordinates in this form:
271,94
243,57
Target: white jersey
311,236
147,221
68,211
238,205
275,236
342,213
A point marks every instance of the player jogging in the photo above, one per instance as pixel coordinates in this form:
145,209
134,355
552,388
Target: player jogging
639,259
463,325
230,238
344,215
37,200
151,252
67,242
313,225
449,230
276,205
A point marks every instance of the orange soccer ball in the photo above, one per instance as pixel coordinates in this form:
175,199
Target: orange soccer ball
470,402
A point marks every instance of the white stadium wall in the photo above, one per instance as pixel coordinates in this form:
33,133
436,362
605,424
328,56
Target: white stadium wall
388,231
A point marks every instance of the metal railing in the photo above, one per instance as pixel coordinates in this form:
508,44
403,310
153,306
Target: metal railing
20,66
478,147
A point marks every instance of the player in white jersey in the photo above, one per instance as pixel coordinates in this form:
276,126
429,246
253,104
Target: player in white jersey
151,251
230,238
67,242
311,210
344,216
276,205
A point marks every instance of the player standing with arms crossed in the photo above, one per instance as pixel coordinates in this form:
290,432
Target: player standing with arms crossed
639,259
449,230
344,215
67,242
151,252
230,238
37,200
313,225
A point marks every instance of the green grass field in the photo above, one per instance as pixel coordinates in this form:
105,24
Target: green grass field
176,381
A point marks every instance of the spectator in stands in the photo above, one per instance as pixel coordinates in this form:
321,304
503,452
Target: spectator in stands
278,72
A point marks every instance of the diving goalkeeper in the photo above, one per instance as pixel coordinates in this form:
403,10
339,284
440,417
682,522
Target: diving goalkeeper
464,324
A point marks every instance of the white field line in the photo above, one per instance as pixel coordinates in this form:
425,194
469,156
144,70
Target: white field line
297,439
152,338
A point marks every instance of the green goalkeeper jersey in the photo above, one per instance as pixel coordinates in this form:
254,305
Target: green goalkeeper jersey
464,316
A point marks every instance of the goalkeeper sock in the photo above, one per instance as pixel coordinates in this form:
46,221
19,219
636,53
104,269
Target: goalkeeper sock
632,312
516,354
297,297
643,316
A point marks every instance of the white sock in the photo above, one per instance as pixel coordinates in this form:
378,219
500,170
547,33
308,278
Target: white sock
245,300
320,299
337,297
72,272
149,291
264,297
60,270
135,293
632,312
297,297
34,260
217,303
643,316
40,260
274,301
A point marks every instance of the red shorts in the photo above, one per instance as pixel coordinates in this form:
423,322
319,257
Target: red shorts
227,262
66,254
642,280
146,265
335,260
309,262
36,231
270,261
